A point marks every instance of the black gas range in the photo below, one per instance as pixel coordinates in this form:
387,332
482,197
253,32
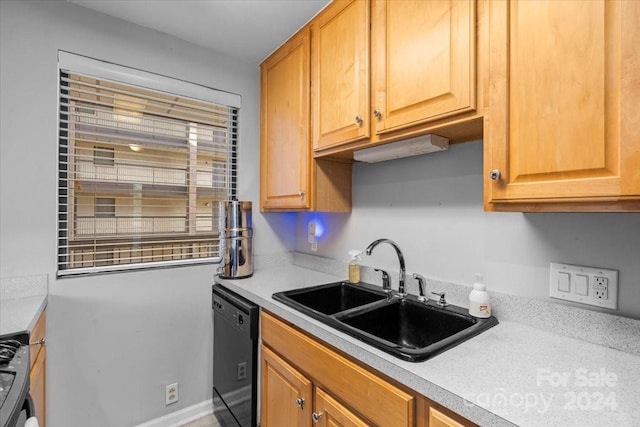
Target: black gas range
14,378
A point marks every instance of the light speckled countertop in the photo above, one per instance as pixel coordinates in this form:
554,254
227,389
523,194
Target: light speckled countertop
512,374
22,301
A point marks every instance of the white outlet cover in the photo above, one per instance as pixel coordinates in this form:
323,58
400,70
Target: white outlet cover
311,232
577,275
171,394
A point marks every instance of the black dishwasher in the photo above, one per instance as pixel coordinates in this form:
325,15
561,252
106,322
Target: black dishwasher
235,358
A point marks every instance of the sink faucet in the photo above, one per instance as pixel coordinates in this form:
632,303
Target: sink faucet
375,243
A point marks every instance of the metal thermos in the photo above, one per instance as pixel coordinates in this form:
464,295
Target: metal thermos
236,237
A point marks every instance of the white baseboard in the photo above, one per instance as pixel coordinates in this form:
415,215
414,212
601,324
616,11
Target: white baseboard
182,416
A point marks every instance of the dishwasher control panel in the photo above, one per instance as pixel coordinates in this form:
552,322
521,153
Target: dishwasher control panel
232,307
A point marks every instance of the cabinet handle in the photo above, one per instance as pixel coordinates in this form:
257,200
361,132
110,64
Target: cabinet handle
316,416
39,342
377,113
301,193
300,402
359,120
494,175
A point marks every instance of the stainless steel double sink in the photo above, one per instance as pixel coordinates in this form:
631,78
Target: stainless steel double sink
404,327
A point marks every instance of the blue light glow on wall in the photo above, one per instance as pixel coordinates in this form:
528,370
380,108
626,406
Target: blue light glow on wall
320,221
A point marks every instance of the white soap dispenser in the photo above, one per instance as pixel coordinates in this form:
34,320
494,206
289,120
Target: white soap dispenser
354,266
479,304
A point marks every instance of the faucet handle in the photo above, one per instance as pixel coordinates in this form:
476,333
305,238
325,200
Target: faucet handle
386,281
421,286
442,302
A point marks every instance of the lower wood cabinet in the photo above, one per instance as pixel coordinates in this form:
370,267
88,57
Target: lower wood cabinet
38,372
286,393
431,414
329,412
305,383
293,400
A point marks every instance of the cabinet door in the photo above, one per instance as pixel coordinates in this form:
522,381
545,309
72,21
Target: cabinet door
37,387
38,373
423,61
440,419
330,412
286,393
564,102
340,73
285,145
430,414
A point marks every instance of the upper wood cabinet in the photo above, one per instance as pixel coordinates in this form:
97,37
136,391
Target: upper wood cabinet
340,73
385,70
424,62
284,148
290,178
564,105
321,99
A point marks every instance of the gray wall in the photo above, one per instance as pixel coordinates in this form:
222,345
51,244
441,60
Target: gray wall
114,341
431,206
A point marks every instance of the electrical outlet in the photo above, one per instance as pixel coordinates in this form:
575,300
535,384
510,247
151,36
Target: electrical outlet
311,232
241,373
586,285
601,287
311,236
171,394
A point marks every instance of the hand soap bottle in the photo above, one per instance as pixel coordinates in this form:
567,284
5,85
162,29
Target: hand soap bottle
354,266
479,304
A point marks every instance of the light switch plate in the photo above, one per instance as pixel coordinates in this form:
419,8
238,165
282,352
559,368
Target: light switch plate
586,285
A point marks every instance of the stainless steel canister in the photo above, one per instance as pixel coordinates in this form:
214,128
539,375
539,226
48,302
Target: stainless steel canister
236,235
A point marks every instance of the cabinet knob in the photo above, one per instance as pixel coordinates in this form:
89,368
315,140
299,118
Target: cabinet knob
300,402
301,193
377,113
359,120
494,175
316,416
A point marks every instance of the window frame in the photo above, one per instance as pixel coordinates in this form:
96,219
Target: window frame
77,64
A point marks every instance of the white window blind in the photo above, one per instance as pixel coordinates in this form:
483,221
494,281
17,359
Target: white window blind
140,174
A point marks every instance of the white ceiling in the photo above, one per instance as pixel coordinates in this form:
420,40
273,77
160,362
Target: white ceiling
246,29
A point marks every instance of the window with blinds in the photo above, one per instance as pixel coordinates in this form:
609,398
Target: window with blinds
140,175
